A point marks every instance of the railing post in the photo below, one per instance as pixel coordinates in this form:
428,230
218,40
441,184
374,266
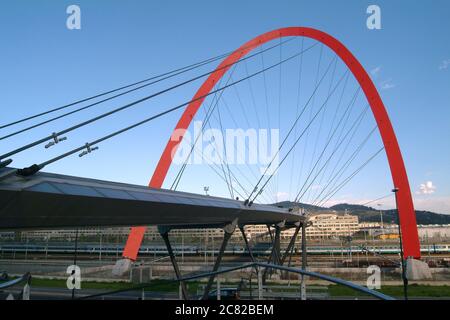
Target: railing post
26,292
304,263
260,284
218,288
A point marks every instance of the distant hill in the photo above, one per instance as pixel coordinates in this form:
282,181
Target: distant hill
369,214
351,207
290,204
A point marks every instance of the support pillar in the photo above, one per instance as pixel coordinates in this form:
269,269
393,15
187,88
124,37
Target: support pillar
291,242
275,254
289,248
165,235
228,231
250,252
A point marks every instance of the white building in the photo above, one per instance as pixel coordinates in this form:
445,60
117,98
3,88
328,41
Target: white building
436,232
332,225
324,225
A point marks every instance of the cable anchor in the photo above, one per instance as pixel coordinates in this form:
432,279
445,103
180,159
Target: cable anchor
5,163
55,140
89,149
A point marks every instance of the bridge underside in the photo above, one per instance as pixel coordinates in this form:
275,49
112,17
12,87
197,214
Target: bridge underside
47,200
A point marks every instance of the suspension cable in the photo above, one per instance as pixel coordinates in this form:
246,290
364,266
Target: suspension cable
341,141
332,123
296,113
208,114
79,125
292,127
349,107
321,121
35,168
358,120
167,75
302,163
377,199
350,177
332,182
298,139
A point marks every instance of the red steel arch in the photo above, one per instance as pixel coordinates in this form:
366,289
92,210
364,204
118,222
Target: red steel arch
407,215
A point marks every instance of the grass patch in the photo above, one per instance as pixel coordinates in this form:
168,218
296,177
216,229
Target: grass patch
161,285
414,290
57,283
157,285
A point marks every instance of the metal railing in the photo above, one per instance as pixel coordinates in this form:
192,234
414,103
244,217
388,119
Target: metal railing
345,283
24,293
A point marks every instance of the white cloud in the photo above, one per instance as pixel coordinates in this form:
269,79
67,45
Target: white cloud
282,196
426,188
444,65
375,71
387,84
432,203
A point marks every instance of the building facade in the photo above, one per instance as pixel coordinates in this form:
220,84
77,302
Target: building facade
322,226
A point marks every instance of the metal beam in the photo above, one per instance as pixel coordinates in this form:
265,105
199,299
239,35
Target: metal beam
349,284
346,283
165,235
275,253
291,243
247,245
46,200
228,232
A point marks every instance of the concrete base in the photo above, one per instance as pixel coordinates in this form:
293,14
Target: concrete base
122,266
417,270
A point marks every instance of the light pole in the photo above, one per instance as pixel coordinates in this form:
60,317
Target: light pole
206,189
26,248
404,278
381,215
381,221
47,237
182,247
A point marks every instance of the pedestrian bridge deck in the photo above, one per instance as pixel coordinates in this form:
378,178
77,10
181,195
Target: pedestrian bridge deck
47,200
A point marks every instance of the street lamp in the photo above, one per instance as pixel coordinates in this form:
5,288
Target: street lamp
381,220
206,189
404,278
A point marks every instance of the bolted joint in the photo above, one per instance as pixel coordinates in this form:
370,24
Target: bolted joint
229,228
163,230
5,163
88,150
55,140
280,224
29,171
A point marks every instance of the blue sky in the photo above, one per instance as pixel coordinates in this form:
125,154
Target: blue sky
43,64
